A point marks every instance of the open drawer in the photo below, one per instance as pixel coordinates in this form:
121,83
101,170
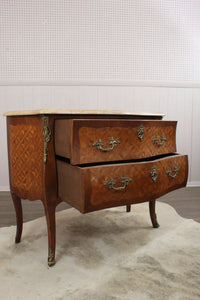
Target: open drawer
90,141
92,188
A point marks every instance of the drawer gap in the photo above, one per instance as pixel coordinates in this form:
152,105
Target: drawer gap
152,158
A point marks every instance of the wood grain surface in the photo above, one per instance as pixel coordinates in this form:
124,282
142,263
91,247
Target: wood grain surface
96,195
26,150
86,133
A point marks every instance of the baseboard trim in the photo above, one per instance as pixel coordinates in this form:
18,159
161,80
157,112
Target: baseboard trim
4,189
193,184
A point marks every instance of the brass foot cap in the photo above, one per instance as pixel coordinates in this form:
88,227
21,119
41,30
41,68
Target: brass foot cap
51,262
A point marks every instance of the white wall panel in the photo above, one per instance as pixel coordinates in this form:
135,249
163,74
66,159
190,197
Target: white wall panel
178,104
195,140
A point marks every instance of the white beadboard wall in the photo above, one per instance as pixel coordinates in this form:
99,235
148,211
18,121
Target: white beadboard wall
182,104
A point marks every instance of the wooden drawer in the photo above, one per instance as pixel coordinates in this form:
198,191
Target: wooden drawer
89,141
97,187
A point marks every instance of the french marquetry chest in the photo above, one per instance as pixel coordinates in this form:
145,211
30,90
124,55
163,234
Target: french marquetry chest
92,160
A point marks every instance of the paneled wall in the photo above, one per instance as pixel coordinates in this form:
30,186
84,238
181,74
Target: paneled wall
182,104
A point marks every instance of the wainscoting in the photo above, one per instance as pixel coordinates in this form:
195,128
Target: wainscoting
181,104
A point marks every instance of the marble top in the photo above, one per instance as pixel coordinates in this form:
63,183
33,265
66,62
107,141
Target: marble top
79,112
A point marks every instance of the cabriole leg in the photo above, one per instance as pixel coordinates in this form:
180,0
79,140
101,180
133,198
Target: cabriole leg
128,208
19,216
50,218
153,213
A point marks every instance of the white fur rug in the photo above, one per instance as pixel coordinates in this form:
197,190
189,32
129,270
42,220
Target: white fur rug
104,255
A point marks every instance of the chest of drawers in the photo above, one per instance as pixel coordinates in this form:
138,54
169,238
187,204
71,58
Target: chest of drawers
92,160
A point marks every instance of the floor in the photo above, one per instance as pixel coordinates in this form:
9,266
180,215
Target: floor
186,202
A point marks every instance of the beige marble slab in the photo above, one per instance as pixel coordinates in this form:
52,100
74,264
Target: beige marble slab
79,112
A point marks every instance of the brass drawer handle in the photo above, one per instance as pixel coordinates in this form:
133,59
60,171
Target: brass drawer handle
99,145
163,139
169,172
154,174
111,183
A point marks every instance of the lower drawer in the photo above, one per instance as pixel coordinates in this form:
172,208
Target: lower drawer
96,187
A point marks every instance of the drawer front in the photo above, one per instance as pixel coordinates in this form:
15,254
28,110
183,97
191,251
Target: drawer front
133,183
110,186
94,188
102,141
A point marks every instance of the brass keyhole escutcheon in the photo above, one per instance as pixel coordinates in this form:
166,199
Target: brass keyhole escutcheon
140,132
154,174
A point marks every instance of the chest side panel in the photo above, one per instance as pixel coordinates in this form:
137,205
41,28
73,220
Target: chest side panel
26,153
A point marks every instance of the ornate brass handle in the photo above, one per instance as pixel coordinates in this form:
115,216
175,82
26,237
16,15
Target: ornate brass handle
111,183
99,145
154,174
169,172
163,139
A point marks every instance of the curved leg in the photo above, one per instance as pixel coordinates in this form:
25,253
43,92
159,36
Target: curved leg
128,208
50,218
153,214
19,216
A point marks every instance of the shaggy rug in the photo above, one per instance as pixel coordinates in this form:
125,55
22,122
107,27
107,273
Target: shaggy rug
109,254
